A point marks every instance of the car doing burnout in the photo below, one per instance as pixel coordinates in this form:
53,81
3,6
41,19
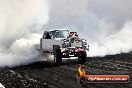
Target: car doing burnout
60,43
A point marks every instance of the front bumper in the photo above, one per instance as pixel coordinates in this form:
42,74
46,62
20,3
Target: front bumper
71,53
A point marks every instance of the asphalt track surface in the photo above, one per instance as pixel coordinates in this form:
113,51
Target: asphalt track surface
47,75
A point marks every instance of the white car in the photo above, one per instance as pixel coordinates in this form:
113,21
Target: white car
60,43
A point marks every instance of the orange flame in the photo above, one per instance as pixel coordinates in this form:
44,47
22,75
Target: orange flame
81,71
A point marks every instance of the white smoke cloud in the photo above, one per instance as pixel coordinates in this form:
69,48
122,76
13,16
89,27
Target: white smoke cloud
106,24
20,20
116,43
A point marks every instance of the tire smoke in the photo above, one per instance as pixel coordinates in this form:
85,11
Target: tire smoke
20,22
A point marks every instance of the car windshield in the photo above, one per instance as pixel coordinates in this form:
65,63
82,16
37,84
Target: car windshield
59,33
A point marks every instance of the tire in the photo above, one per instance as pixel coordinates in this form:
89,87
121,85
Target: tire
58,56
82,58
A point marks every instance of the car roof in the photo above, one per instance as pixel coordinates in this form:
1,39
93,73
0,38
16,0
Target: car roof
57,30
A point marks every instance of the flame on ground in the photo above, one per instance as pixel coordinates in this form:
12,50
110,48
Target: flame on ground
81,72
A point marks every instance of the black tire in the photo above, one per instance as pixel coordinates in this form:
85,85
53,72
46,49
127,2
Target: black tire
82,58
58,56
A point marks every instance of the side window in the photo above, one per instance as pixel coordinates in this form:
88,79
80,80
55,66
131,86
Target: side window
47,36
44,34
